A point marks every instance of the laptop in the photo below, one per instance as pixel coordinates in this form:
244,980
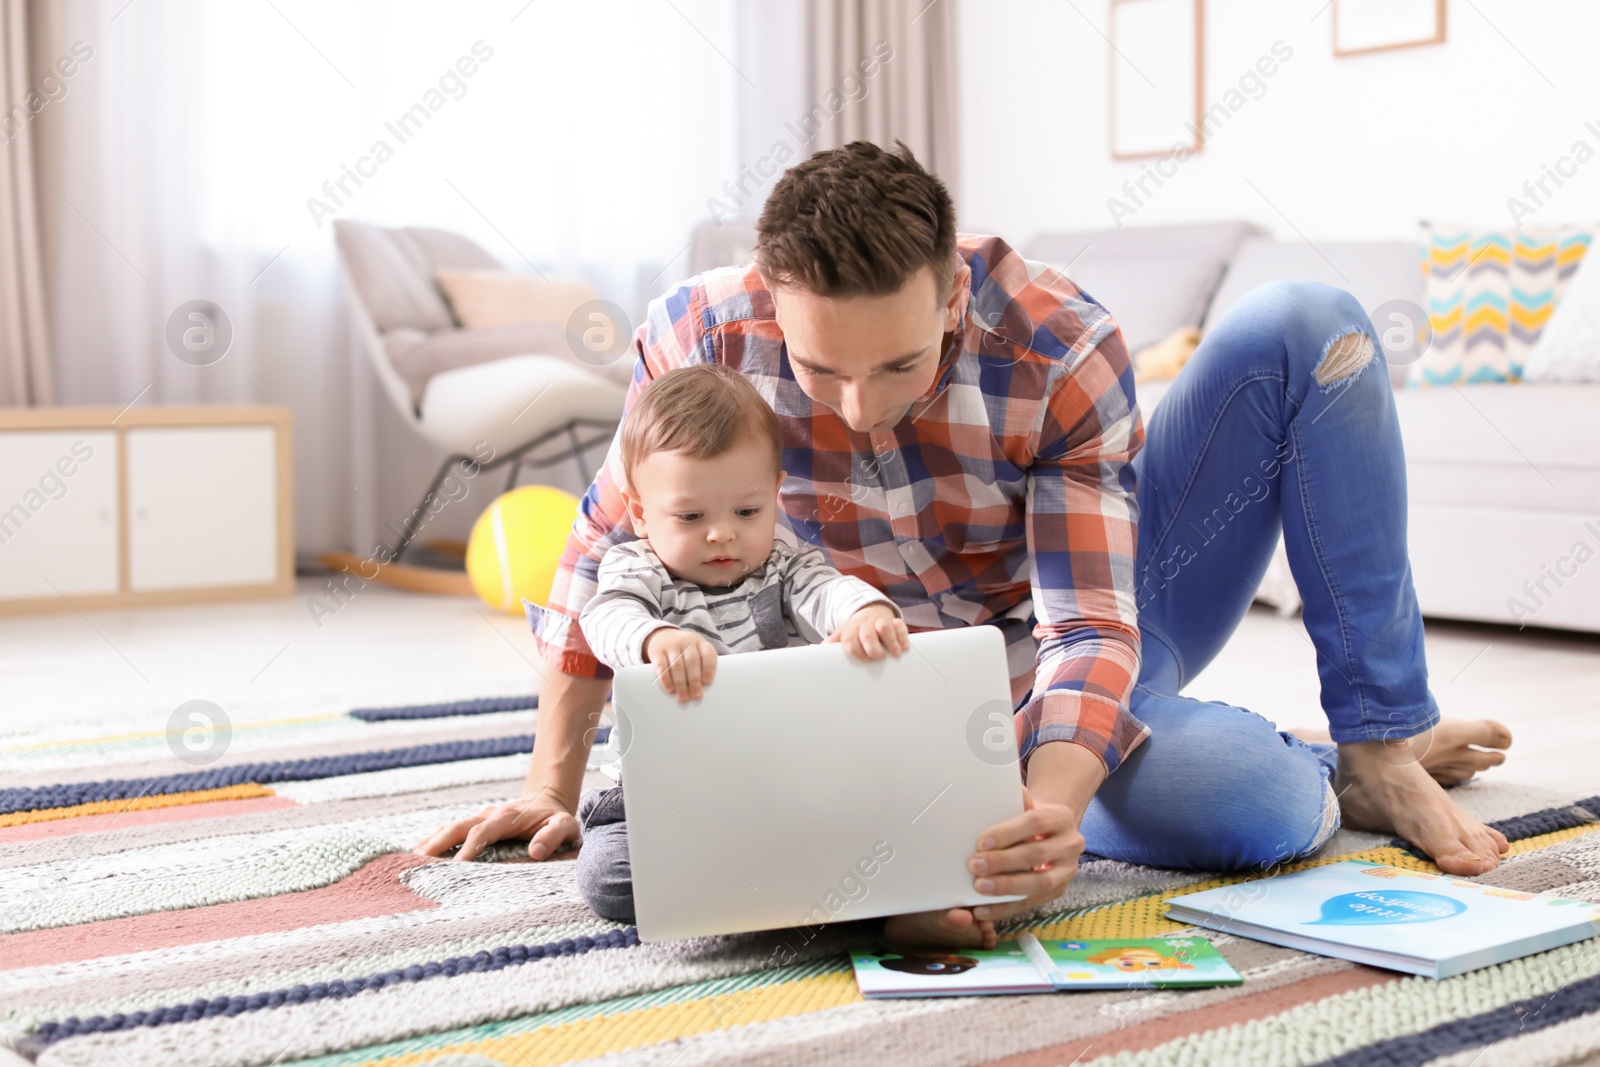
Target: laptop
806,787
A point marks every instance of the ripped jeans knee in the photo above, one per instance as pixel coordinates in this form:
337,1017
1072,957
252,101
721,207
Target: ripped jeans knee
1344,357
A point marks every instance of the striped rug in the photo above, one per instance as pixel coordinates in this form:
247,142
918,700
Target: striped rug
262,909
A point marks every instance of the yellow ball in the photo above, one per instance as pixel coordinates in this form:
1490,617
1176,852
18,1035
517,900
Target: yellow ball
517,543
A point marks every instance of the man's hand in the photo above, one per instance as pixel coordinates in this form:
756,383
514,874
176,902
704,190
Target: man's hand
569,712
548,823
872,632
1037,852
685,662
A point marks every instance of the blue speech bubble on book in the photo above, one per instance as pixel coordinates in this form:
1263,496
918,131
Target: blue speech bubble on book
1386,907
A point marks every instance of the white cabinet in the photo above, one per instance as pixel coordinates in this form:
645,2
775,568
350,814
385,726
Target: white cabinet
102,507
58,513
202,507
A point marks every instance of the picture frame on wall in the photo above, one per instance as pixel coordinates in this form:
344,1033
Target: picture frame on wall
1157,77
1361,27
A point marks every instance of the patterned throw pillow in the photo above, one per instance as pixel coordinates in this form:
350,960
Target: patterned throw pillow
1569,348
1489,294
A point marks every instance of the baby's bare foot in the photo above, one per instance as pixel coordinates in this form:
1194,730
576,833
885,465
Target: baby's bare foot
954,926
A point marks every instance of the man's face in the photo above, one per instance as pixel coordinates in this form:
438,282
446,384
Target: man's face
867,358
709,520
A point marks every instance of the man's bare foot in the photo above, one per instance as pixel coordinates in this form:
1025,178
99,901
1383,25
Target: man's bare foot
1454,752
1387,786
1457,749
954,926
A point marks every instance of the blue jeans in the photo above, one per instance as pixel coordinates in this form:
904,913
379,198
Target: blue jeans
1249,438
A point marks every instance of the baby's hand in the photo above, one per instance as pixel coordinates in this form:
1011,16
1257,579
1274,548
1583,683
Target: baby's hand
873,632
685,662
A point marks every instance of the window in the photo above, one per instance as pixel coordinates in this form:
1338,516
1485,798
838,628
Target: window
583,137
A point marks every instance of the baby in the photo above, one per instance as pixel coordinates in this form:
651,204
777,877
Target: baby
708,575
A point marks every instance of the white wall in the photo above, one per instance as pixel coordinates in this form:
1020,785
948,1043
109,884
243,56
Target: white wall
1354,148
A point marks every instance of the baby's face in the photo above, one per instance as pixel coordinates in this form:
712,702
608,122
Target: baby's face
710,520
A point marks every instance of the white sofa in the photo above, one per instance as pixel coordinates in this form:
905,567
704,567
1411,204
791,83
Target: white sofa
1503,479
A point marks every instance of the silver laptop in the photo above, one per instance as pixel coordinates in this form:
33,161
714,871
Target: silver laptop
807,787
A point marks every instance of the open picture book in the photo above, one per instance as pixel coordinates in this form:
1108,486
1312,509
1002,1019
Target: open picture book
1435,925
1032,965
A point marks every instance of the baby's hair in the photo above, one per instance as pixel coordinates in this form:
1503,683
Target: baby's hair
701,410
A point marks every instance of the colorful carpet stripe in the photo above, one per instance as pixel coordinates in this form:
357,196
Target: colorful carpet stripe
499,959
97,911
69,749
160,735
125,819
81,793
566,1037
242,791
1520,1017
698,1007
480,706
1521,828
291,926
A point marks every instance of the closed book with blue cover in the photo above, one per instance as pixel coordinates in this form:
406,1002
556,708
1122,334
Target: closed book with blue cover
1434,925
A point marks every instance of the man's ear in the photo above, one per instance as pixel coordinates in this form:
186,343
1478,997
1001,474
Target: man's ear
960,288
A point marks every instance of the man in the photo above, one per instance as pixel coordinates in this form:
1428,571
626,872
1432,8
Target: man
960,431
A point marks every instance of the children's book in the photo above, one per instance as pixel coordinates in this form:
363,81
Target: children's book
1032,965
1435,925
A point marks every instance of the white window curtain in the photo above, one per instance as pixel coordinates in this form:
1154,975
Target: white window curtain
24,335
204,147
891,67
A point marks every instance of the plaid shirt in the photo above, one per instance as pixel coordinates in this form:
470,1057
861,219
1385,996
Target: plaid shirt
1005,496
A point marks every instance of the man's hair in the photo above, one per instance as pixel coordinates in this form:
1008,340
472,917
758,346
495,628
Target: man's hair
856,221
701,410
